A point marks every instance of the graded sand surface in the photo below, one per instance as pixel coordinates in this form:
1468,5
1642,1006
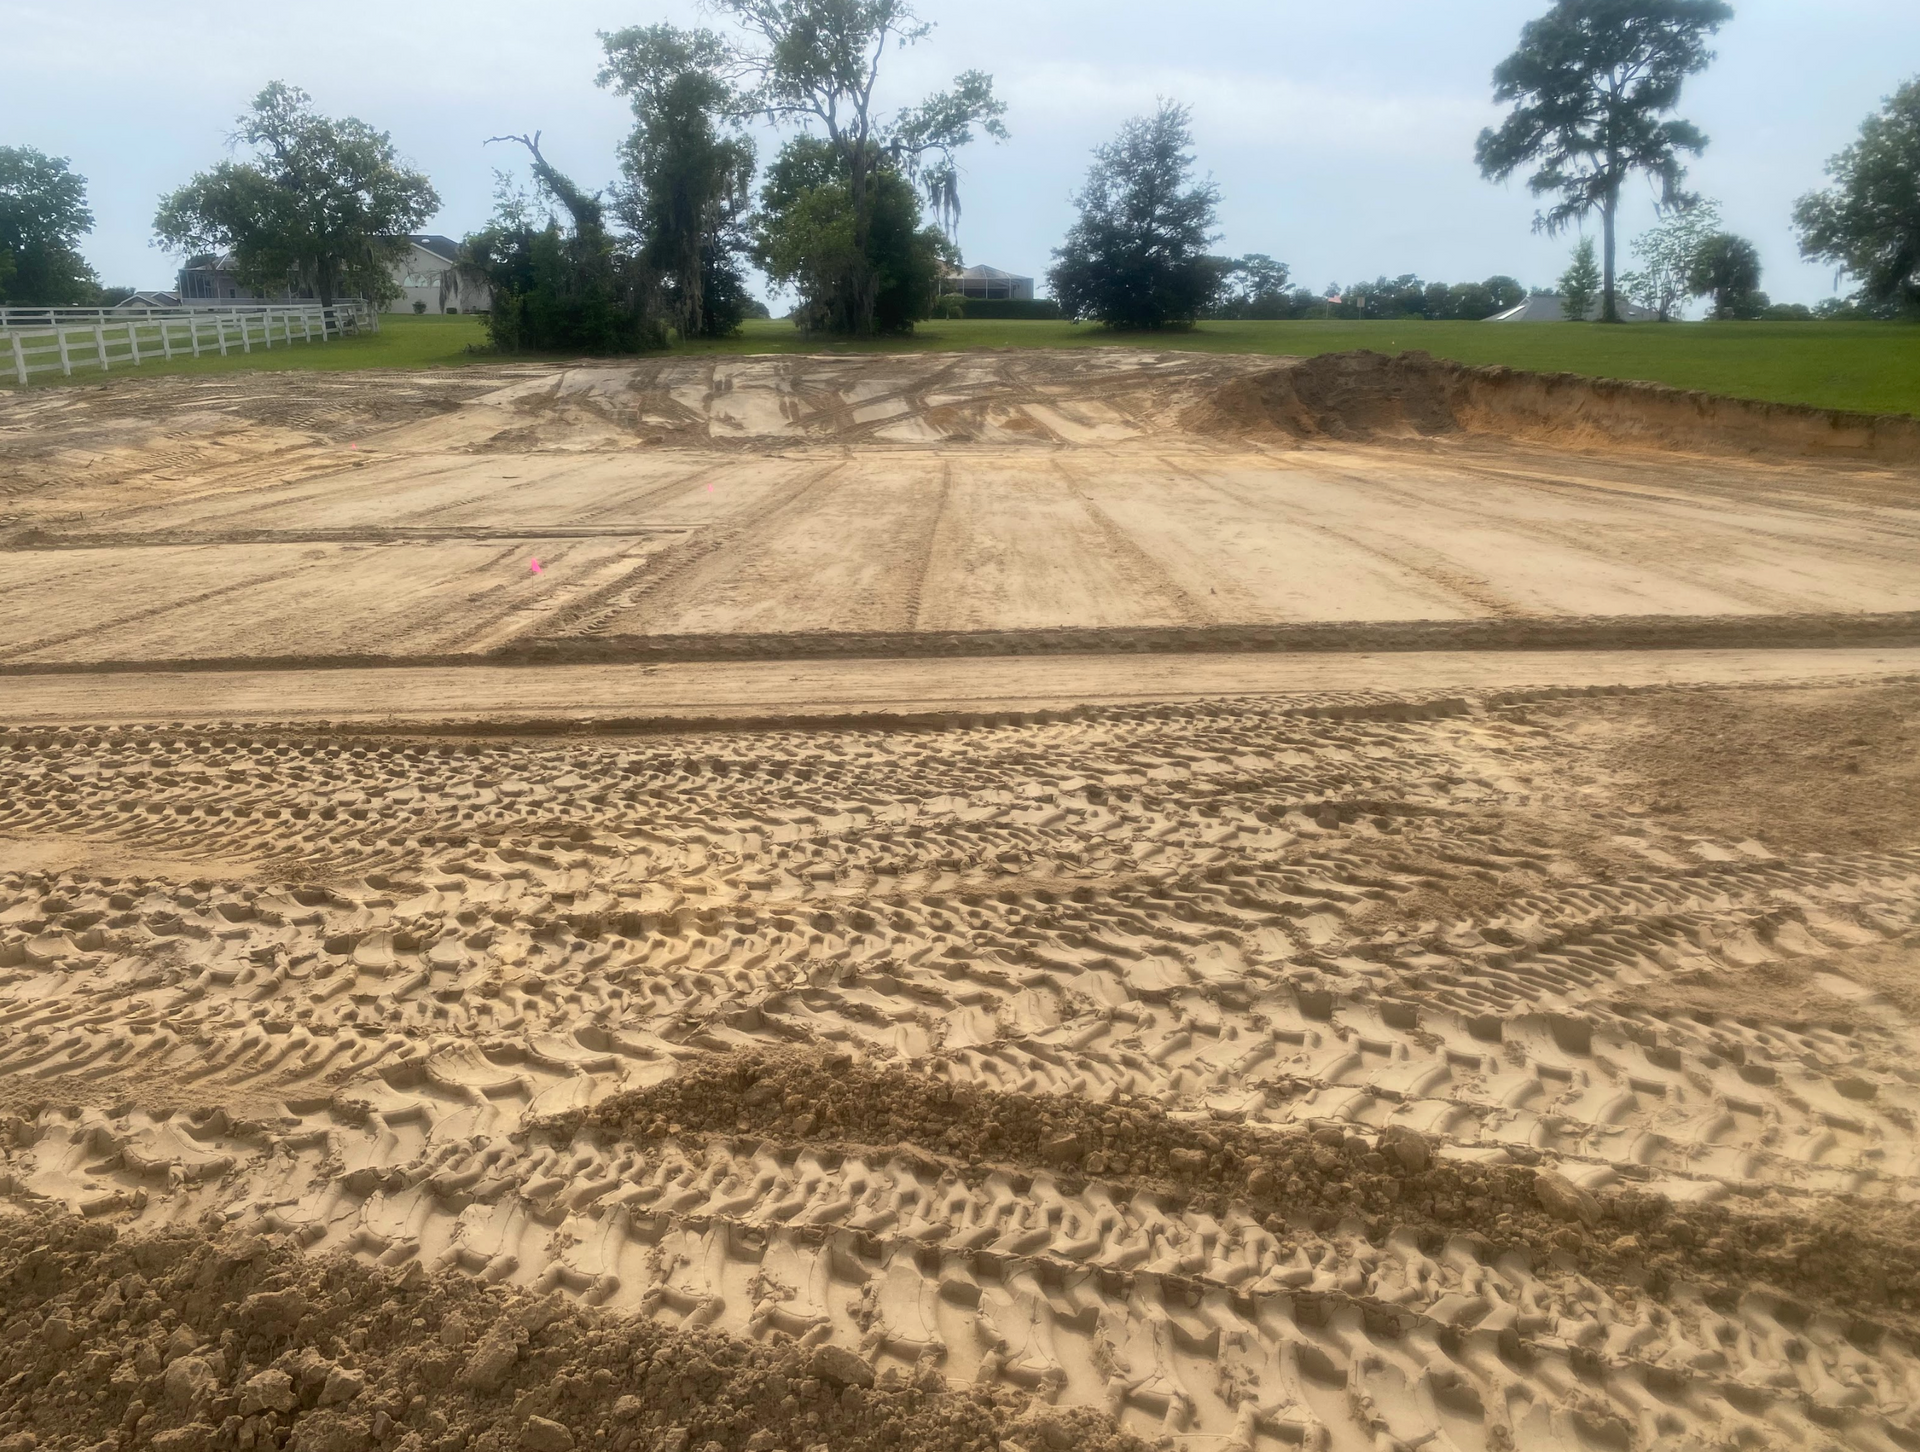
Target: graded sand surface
905,504
1063,903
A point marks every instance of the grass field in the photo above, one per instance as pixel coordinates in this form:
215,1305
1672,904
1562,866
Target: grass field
1869,367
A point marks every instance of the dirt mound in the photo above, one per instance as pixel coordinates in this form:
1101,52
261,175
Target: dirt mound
1393,1179
1364,396
185,1343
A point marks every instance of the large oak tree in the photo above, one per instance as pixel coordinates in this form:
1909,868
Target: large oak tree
1136,257
43,216
817,64
1592,83
1868,221
325,202
688,171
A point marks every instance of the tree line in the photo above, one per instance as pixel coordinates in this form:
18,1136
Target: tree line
856,213
1592,85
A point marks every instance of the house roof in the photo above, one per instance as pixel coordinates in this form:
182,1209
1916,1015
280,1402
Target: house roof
149,299
444,248
989,274
1550,307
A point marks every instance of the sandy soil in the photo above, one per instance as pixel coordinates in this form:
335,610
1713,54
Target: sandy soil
873,506
1458,1049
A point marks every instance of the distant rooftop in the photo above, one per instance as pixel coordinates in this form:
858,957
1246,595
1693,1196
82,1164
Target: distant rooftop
442,247
1550,307
988,282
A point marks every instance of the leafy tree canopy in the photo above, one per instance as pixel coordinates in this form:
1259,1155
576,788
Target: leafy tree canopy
1407,296
322,202
1254,286
1590,83
1137,255
558,289
1667,254
1580,283
687,168
817,64
1726,268
43,216
1867,223
805,239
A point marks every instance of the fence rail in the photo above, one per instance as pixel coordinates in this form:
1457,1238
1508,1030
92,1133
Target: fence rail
107,339
17,317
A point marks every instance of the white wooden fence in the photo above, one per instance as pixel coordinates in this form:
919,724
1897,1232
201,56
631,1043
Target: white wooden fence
43,340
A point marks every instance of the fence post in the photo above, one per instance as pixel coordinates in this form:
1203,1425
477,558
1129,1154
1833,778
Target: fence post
166,342
100,344
193,332
20,360
133,341
246,335
66,362
220,331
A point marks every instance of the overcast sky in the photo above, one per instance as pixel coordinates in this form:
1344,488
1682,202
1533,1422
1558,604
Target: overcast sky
1341,135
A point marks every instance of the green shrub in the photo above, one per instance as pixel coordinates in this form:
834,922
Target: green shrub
1041,309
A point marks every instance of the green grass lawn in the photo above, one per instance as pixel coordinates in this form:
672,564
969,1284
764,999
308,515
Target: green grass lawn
1870,367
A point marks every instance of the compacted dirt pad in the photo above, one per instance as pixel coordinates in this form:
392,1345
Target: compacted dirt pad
1382,1058
958,504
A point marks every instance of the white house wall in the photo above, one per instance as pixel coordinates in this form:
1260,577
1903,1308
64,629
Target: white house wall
426,277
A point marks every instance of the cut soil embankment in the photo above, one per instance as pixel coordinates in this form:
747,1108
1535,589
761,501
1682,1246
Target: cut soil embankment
1368,397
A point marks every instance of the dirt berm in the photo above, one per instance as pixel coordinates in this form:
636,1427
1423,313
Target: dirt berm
1366,395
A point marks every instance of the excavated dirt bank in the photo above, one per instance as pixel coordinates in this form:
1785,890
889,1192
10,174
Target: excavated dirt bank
1365,396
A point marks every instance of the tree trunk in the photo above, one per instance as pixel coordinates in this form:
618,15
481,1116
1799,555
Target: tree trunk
1609,312
865,294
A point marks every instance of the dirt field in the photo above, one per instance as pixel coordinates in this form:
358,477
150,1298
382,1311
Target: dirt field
974,901
911,505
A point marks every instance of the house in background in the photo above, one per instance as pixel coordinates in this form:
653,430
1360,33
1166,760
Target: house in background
145,299
988,283
1550,307
430,274
427,273
210,280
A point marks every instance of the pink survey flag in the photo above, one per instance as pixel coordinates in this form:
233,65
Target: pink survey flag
534,566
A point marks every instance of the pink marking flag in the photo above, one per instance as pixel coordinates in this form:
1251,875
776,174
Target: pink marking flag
534,566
